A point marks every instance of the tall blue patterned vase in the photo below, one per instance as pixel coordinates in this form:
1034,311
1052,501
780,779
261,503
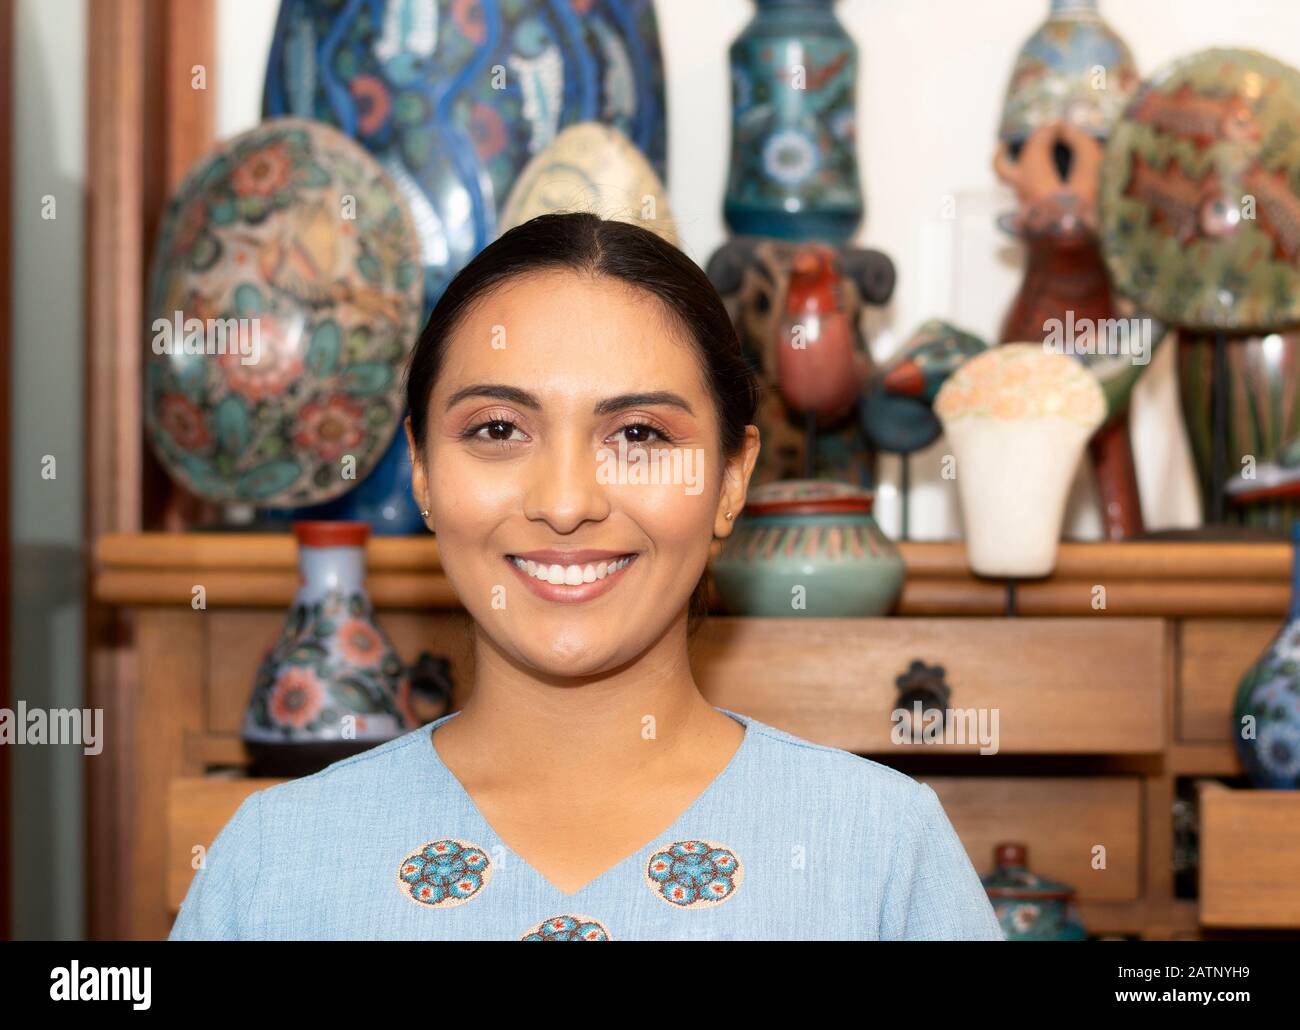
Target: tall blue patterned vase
794,171
1266,715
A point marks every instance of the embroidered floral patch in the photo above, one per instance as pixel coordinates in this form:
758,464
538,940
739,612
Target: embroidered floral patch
568,928
694,873
444,873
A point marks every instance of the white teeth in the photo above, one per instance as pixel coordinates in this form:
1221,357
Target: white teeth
571,575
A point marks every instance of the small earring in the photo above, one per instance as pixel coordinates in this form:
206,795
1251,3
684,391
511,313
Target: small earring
729,515
424,513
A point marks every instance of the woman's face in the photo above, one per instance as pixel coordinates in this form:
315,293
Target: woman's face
572,471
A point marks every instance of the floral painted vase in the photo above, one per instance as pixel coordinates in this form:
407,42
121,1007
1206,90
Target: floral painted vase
454,97
291,266
1200,194
794,170
1266,713
332,685
1030,907
1017,418
1075,69
808,548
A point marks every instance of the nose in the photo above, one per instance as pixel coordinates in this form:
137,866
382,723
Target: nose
561,483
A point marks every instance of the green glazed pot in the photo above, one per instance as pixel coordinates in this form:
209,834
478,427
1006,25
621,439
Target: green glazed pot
808,547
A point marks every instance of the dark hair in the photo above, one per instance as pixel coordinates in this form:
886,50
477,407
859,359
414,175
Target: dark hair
587,243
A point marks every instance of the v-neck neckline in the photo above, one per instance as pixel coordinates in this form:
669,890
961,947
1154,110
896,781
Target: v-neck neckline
441,768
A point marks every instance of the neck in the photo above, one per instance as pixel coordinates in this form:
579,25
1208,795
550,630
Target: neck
568,730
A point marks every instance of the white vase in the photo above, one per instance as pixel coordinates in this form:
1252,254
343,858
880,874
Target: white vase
1017,418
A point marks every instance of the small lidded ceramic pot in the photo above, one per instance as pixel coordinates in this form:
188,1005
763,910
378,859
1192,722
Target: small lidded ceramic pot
1030,907
808,547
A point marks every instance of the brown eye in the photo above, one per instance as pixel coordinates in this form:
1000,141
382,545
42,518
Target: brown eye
644,433
496,430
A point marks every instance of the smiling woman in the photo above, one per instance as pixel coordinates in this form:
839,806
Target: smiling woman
587,790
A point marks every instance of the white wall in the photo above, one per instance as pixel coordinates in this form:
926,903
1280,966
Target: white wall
932,78
49,80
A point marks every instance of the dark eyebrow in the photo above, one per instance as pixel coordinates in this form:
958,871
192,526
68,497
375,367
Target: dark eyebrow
502,393
611,404
642,400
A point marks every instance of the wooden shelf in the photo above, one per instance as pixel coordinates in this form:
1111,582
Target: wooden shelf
1166,579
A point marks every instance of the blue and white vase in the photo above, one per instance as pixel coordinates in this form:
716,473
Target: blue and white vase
1266,715
794,170
332,685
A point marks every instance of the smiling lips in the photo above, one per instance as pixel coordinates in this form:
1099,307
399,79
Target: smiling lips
570,576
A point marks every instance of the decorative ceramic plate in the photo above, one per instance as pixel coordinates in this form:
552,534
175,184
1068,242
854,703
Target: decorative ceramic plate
1200,194
456,96
284,299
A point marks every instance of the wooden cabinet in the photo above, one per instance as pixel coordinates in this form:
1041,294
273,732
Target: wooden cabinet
1250,857
1097,712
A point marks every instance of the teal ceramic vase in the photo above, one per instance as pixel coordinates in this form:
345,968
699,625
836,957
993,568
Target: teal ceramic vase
808,547
1030,907
1266,715
794,171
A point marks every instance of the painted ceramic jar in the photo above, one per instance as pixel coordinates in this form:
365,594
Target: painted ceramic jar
794,170
1074,68
288,266
332,685
1017,418
1258,464
454,97
592,167
1266,712
1030,907
1200,194
808,548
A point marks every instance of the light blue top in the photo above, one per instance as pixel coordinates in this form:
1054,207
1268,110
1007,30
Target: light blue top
791,841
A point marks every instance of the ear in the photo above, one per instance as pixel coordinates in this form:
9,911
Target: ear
419,482
735,483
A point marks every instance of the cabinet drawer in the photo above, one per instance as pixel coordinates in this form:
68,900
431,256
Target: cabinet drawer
1250,857
1213,655
197,808
1069,685
1060,820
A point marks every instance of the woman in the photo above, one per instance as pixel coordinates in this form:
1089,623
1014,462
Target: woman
580,432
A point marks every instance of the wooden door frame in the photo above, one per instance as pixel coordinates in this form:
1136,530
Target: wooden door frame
146,124
6,392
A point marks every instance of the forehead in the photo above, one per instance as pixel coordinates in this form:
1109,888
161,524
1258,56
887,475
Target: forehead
595,334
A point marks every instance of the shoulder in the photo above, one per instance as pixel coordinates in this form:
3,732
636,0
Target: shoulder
827,777
352,785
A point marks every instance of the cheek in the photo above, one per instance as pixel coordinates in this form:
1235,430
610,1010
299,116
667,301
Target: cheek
467,500
671,516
